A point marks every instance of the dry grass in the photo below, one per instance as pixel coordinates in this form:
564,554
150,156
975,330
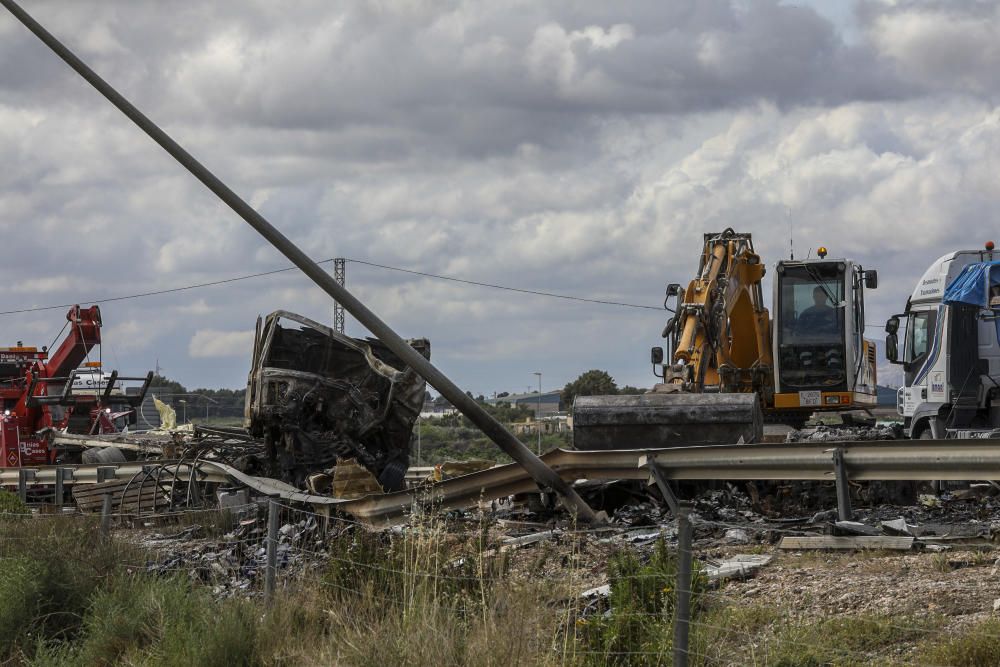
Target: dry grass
430,596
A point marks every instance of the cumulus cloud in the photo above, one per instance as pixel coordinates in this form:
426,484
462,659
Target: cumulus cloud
557,146
213,343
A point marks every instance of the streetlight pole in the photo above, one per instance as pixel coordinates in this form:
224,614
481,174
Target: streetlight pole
418,440
538,412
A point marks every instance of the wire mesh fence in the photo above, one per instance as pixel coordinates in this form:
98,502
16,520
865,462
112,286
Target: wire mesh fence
601,598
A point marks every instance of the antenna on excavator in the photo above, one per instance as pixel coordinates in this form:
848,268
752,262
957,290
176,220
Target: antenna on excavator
791,248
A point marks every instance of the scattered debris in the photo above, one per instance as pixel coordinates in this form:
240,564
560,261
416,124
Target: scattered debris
896,527
233,563
737,536
842,542
525,540
823,433
856,528
736,567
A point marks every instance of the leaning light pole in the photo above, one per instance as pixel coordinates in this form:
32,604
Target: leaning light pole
538,413
541,473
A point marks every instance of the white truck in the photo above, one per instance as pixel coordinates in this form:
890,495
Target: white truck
951,348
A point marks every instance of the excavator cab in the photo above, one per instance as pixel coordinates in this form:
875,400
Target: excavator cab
821,359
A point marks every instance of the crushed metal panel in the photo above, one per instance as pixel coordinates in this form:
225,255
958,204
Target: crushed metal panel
318,397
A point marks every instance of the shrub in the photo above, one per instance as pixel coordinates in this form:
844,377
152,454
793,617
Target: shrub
159,622
10,503
638,630
976,646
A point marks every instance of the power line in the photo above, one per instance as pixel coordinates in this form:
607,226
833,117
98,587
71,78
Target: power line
505,287
154,293
234,279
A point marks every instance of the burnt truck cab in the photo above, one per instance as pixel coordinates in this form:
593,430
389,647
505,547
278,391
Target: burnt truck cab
822,360
318,398
950,348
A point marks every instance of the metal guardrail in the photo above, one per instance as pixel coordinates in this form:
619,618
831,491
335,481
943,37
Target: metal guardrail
862,461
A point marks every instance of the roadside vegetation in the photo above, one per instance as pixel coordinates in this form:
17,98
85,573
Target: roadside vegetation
435,594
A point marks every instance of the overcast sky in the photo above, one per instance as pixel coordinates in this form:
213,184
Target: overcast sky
559,146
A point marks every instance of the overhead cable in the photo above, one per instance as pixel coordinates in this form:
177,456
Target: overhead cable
233,279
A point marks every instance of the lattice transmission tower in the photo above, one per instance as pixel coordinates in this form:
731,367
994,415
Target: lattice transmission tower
340,275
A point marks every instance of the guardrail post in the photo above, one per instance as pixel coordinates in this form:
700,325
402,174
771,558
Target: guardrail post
844,511
58,500
193,484
22,485
104,473
664,485
106,515
682,613
271,570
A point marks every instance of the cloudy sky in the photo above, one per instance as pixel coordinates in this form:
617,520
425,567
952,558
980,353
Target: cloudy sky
559,146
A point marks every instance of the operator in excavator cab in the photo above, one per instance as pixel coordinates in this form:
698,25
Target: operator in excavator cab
820,316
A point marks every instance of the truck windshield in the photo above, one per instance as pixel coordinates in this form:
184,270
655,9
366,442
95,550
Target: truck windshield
811,332
919,333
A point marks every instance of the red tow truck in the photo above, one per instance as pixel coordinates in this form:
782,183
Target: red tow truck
64,391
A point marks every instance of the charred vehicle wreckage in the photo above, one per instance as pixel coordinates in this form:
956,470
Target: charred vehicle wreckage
318,398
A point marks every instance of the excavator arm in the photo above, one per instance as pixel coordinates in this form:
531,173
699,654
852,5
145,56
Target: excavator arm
720,335
719,369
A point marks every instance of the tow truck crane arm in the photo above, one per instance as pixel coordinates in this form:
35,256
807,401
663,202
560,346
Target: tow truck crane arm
84,334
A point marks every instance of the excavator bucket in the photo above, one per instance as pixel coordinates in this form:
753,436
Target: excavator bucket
666,420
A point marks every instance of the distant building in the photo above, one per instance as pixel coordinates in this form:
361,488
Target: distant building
553,424
543,405
436,407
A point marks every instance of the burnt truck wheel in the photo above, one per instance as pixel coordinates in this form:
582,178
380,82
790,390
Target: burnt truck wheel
393,476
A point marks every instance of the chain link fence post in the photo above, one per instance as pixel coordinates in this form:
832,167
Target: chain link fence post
271,570
682,614
106,516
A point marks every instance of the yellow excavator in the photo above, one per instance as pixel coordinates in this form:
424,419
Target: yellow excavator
730,367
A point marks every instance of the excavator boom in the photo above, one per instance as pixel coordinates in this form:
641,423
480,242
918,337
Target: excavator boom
719,368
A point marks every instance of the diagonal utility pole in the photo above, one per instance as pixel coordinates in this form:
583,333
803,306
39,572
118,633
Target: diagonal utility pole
541,473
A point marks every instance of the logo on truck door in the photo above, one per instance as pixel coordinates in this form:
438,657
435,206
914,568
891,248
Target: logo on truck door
937,383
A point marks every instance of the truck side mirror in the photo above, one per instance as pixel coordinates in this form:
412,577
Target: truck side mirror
892,325
656,355
871,279
892,348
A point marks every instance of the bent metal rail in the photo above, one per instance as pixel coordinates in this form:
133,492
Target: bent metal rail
864,461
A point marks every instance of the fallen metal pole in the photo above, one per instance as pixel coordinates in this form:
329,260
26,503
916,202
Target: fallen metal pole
494,430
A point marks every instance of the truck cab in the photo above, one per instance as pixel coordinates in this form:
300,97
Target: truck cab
950,348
